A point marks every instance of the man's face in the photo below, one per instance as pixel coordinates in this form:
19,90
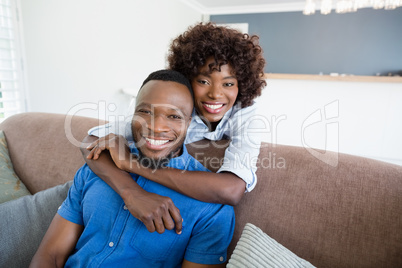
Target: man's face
161,118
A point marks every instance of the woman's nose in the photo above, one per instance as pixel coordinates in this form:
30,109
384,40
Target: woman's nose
215,92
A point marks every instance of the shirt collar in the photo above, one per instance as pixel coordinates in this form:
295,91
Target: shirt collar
225,117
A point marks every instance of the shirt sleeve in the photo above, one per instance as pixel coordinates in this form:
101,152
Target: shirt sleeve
211,235
117,127
71,208
246,133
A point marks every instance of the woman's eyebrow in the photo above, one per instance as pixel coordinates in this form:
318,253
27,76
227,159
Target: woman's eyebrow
208,74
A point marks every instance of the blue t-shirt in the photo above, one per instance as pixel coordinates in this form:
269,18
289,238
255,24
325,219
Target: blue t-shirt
112,237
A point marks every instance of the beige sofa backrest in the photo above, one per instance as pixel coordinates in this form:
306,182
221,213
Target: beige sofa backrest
344,216
45,153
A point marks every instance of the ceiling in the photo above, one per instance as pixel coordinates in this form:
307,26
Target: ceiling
213,7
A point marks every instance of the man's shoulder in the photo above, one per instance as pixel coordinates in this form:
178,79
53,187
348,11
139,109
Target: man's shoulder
84,174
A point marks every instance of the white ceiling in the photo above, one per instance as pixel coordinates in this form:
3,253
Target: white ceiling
212,7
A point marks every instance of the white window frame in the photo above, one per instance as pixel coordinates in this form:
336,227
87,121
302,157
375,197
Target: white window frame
13,88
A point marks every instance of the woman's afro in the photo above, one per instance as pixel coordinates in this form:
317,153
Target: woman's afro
190,50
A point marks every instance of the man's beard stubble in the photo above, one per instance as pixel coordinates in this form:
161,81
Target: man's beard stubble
151,163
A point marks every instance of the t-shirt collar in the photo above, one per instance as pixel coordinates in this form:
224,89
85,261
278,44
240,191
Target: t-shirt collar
182,158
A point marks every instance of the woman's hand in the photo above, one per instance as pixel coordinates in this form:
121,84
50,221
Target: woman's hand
157,212
118,148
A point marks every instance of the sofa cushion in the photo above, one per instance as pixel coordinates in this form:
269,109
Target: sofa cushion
44,147
24,222
256,249
11,187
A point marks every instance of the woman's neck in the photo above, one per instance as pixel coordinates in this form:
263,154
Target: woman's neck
211,125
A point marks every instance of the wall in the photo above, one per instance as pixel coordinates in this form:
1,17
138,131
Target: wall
366,42
80,54
349,117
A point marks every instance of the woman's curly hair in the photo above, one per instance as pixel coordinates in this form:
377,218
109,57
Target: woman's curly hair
190,50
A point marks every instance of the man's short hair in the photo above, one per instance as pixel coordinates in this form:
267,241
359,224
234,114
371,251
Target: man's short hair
169,75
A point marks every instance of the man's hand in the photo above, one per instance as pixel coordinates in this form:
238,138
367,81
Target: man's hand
118,149
155,211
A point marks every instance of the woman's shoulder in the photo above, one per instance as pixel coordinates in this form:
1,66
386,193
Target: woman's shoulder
237,110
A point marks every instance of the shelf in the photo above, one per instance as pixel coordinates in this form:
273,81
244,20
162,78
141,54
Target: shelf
346,78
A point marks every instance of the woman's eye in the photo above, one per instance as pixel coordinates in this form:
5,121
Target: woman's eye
228,84
204,82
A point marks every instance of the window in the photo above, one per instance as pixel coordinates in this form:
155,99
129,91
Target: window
12,97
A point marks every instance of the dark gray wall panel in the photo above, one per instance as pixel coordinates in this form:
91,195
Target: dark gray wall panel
366,42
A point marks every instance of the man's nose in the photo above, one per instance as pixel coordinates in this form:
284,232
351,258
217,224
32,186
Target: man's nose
215,92
159,124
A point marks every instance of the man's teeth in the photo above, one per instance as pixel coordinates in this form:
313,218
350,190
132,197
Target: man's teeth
213,106
156,142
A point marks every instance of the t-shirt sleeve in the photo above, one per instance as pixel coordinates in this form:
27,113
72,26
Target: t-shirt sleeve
117,127
247,130
71,208
211,235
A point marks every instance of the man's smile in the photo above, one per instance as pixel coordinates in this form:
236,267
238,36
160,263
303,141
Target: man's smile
158,143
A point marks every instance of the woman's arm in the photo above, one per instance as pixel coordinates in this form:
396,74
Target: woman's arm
57,244
223,188
155,211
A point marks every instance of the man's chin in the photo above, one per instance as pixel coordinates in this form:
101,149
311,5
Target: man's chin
154,163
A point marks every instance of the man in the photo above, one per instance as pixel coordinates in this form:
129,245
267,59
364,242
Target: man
93,226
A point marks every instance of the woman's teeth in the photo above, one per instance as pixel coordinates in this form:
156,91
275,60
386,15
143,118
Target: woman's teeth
156,142
213,106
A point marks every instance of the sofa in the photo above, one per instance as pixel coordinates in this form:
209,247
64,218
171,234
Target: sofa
343,215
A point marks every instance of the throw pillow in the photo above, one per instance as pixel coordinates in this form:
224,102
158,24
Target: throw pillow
24,222
257,249
11,187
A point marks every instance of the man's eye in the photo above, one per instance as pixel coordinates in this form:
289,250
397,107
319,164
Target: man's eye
173,116
144,111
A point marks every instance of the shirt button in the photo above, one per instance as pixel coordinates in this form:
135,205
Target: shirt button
111,244
125,207
221,258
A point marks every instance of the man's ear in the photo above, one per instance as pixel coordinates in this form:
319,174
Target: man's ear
189,121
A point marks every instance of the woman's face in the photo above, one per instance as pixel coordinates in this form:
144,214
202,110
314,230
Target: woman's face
214,93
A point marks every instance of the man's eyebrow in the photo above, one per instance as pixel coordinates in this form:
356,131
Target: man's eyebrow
148,105
142,104
180,111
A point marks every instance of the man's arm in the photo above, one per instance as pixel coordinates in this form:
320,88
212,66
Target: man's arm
155,211
188,264
57,244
